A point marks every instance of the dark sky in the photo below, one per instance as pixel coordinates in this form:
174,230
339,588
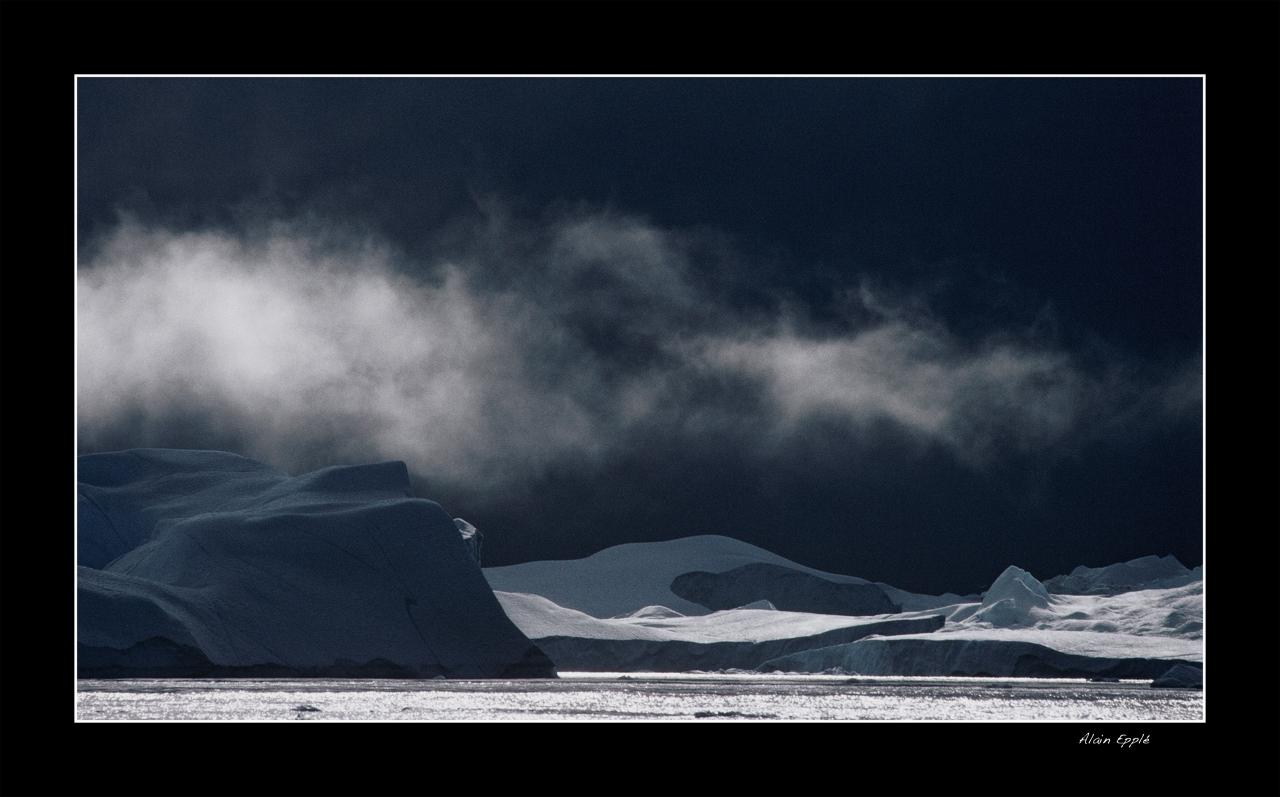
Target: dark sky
912,330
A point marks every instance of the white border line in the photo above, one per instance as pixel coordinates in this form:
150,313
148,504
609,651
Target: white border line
1203,325
1204,415
75,380
643,75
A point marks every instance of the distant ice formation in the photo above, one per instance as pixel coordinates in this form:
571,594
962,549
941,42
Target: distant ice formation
208,564
658,639
658,596
1180,676
1016,598
624,578
1147,572
1020,629
994,653
782,587
204,563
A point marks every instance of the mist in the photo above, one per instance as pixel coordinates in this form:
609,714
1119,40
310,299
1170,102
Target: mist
524,345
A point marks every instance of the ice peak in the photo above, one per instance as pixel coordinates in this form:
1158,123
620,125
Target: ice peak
1020,586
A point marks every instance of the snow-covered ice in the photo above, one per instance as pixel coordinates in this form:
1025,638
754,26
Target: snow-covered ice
1180,676
995,653
539,617
1016,627
659,639
1146,572
782,587
624,578
1019,628
204,562
207,563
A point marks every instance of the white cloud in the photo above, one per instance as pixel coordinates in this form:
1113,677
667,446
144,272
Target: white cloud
920,378
488,365
292,345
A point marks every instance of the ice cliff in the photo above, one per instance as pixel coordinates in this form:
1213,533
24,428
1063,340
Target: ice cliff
204,563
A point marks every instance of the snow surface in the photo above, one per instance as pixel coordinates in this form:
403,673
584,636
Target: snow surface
1174,612
624,578
539,617
204,559
658,639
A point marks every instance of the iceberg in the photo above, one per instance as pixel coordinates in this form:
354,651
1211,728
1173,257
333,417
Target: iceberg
996,654
208,564
782,587
1146,572
1016,598
1021,629
1180,676
712,602
658,639
680,573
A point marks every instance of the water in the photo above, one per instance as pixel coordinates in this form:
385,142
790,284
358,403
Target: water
636,696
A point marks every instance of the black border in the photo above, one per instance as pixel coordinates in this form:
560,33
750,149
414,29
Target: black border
1234,43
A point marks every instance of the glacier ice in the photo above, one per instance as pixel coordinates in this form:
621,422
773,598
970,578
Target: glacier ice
1014,599
996,654
1016,627
1146,572
784,588
624,578
208,563
1020,629
657,639
1180,676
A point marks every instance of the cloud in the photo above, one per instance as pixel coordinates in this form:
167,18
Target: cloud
971,401
523,345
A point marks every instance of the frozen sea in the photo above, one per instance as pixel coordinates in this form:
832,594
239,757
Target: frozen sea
692,697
